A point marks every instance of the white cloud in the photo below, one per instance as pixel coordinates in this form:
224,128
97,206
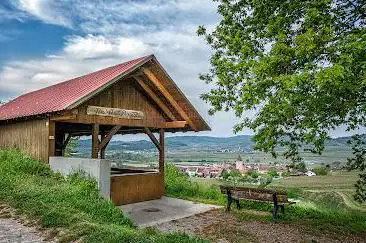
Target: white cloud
88,47
132,47
48,11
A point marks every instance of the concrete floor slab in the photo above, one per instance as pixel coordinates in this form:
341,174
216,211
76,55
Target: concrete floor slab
150,213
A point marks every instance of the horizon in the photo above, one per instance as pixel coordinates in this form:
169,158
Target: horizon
144,137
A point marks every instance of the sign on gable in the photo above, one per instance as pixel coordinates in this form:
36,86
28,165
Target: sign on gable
115,112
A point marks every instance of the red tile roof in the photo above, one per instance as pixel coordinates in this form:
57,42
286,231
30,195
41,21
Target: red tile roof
60,96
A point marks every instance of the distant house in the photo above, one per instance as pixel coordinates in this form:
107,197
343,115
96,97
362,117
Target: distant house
200,172
310,173
192,171
299,173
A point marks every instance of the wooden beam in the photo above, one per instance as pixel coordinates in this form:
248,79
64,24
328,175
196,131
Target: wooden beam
153,138
161,152
156,99
102,150
63,118
109,136
175,124
51,138
66,141
169,97
123,122
95,141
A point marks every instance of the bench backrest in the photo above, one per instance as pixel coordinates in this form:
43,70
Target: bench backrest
258,194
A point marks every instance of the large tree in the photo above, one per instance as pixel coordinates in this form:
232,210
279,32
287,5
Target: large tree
298,66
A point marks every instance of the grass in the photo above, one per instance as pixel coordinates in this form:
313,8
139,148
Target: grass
70,204
324,210
180,186
334,181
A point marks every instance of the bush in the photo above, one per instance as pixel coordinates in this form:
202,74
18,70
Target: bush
285,174
272,173
178,185
252,173
235,173
224,174
301,166
321,170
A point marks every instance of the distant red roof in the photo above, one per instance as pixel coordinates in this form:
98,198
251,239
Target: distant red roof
60,96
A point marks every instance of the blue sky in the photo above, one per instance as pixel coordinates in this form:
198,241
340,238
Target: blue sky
43,42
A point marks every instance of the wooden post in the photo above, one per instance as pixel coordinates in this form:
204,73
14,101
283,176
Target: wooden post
59,141
161,152
51,138
95,141
102,150
66,142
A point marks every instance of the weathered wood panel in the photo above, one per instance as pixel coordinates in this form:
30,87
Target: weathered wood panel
123,95
134,188
29,136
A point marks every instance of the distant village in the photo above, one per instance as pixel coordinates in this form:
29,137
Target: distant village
215,170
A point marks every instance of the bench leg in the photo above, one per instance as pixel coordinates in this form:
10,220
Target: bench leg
228,202
274,214
282,209
237,204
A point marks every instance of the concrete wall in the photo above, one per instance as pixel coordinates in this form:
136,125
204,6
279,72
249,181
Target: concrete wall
99,169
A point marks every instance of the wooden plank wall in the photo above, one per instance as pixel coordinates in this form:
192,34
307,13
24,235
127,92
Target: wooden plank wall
124,95
134,188
29,136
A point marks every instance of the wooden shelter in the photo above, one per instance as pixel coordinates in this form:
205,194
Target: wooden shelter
137,96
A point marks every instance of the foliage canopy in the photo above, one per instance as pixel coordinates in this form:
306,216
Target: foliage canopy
292,70
299,66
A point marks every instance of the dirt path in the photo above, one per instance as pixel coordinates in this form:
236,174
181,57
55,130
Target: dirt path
220,226
351,203
344,193
12,231
16,228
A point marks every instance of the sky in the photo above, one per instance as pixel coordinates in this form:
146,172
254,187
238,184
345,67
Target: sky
43,42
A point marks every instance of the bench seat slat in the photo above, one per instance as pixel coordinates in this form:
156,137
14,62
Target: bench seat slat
255,194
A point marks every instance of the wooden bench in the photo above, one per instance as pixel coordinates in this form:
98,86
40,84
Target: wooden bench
277,197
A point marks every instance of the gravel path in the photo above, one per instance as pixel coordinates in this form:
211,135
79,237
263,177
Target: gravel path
13,231
220,226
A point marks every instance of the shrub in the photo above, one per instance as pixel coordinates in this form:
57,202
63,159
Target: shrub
272,172
321,170
178,185
234,173
252,173
224,174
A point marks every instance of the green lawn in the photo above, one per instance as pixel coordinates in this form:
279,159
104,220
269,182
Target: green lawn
334,181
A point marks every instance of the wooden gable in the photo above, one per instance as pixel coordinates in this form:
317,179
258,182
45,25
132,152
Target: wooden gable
125,94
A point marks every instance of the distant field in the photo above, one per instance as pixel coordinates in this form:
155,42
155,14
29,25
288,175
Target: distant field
329,156
206,182
337,181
